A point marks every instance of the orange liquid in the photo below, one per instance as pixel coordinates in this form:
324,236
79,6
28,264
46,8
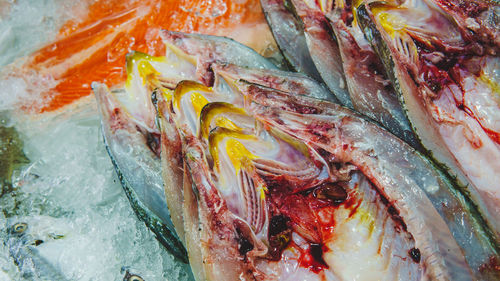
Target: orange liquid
94,48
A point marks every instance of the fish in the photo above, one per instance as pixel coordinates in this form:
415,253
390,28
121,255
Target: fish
131,276
23,241
296,21
445,74
130,129
133,151
369,90
250,166
280,192
369,87
289,36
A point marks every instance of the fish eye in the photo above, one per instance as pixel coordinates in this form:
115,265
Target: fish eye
20,227
135,278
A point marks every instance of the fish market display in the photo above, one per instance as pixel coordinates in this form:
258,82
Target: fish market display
130,131
445,68
90,47
267,180
255,140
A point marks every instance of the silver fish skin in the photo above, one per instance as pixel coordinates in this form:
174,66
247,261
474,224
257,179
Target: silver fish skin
22,245
445,77
137,164
368,90
289,36
323,48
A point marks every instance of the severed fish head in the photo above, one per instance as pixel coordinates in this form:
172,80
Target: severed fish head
282,187
441,61
265,182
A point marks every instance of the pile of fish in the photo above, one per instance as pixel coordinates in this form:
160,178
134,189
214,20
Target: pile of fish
378,159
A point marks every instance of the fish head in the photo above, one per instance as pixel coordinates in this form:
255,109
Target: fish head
293,186
42,227
187,57
440,57
34,231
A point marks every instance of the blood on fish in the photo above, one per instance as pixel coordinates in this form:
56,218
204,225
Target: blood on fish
153,141
439,75
116,120
93,48
244,245
470,8
309,215
312,258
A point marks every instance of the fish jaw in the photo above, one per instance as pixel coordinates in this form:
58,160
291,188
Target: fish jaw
296,83
435,103
221,259
136,164
138,101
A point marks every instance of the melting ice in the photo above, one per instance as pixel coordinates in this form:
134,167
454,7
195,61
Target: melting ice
68,195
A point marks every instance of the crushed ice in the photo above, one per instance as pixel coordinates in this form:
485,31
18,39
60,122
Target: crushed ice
69,188
71,182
